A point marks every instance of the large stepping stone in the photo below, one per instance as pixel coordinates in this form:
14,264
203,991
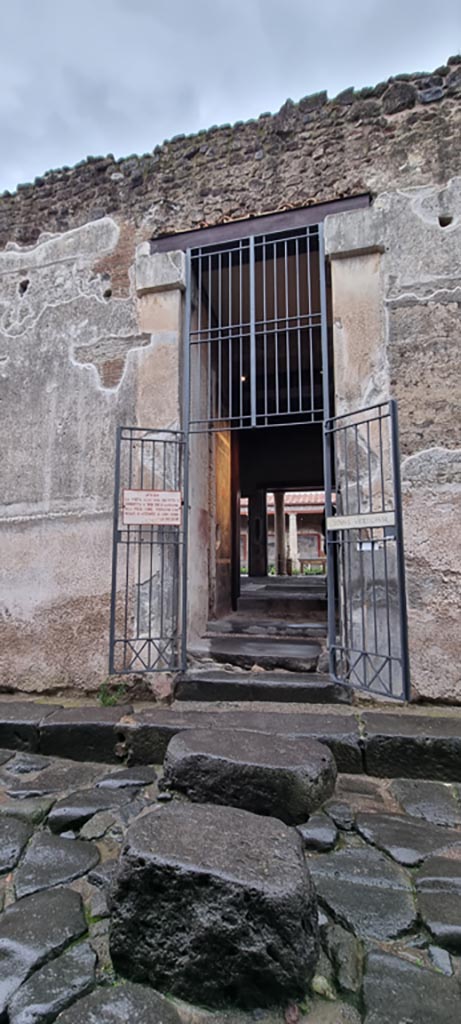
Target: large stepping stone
407,840
56,778
54,987
14,835
33,931
366,891
124,1004
399,992
51,861
438,887
215,905
287,778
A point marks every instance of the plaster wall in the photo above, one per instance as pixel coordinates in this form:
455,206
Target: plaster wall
75,361
396,279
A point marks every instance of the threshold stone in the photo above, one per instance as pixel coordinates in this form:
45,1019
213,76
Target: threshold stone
216,906
285,777
124,1004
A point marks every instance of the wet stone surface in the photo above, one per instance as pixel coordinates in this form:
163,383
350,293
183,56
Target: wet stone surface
389,925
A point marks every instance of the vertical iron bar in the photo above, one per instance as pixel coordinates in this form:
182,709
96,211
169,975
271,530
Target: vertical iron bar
395,447
276,327
298,322
229,328
264,245
329,454
287,330
252,332
186,434
113,595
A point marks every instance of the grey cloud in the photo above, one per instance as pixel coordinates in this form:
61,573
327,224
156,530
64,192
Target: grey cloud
122,75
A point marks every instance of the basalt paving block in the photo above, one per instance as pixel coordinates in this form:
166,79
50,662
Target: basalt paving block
407,840
438,887
365,891
33,931
74,810
346,954
319,833
124,1004
23,764
398,992
14,834
5,755
20,722
54,987
33,811
215,905
147,734
413,746
84,734
436,802
51,860
56,778
285,778
140,776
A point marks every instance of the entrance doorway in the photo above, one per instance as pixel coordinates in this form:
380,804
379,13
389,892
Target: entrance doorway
259,374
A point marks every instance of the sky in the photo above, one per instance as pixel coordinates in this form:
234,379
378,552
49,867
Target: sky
91,77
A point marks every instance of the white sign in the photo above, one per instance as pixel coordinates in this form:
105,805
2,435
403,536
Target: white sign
361,521
151,508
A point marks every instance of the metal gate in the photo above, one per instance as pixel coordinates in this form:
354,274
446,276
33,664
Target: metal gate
257,329
148,537
367,616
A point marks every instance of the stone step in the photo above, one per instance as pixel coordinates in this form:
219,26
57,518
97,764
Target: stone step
282,603
245,625
267,652
301,687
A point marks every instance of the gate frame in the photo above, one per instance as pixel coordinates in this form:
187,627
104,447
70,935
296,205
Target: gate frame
397,512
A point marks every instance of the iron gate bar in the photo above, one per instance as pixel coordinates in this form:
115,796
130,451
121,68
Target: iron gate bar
371,521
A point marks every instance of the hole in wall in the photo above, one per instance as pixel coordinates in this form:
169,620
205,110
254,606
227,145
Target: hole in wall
445,220
107,294
23,286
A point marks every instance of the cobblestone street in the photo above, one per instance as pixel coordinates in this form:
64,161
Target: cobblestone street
385,856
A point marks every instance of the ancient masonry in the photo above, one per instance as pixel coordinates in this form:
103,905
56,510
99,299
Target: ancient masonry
91,337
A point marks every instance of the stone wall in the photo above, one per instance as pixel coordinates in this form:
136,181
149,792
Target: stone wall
90,333
398,133
396,271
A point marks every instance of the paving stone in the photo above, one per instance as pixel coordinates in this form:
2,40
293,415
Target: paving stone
398,992
124,1004
74,810
5,755
51,860
438,887
195,879
97,826
103,875
441,959
412,746
341,813
14,834
143,775
20,721
33,811
407,840
364,890
434,801
85,734
24,763
319,833
331,1013
57,778
34,930
145,736
346,955
285,778
55,987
